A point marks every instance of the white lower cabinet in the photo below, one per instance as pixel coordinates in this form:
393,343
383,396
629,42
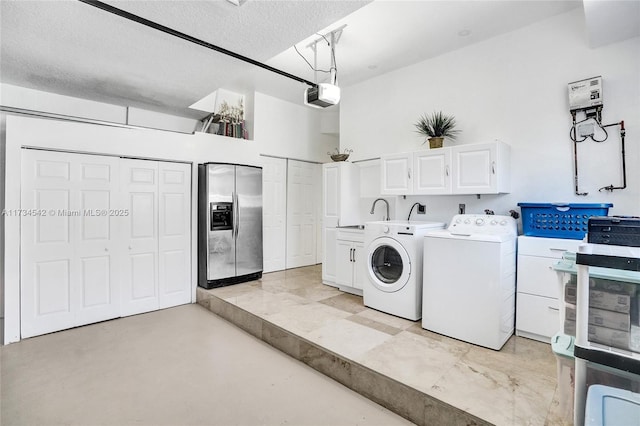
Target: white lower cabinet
538,288
349,254
107,237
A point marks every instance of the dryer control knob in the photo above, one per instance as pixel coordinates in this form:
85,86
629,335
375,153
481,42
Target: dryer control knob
467,221
385,229
494,222
479,222
503,223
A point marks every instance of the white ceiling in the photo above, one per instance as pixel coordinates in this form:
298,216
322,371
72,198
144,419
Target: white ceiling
70,48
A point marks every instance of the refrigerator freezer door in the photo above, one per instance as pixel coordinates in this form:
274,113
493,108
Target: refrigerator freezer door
221,247
249,220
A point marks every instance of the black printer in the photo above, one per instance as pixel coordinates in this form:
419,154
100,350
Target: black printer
614,230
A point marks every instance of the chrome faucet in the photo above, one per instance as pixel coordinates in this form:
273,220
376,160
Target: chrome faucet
373,206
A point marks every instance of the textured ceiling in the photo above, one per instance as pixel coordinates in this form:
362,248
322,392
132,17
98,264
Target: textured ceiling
71,48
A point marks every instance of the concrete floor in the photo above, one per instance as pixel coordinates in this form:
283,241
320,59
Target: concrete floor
178,366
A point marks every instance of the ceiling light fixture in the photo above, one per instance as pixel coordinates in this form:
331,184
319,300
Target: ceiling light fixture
186,37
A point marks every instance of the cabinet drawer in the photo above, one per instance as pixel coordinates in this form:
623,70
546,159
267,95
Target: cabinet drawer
546,247
537,315
536,276
355,235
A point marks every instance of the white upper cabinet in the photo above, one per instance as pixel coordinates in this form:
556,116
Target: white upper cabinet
340,204
395,174
465,169
481,168
432,171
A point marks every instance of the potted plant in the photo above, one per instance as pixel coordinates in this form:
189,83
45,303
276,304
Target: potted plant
436,127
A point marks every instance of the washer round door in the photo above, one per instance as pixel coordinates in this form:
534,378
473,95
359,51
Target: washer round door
388,264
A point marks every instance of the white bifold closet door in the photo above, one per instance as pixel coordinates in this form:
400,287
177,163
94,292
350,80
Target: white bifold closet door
69,249
303,184
274,213
101,237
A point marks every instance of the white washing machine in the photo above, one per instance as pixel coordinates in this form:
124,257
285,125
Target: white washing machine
469,279
393,281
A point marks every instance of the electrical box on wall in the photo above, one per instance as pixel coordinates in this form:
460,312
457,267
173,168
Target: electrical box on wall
585,94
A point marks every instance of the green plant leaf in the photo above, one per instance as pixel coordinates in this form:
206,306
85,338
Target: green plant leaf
437,124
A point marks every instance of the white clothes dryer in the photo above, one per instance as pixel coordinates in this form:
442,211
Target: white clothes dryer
393,277
469,279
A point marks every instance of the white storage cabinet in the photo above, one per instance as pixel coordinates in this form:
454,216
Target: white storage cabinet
349,260
481,168
109,237
340,207
538,299
432,172
466,169
395,174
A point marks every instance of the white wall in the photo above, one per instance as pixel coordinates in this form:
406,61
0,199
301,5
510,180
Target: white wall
511,88
37,100
290,130
156,120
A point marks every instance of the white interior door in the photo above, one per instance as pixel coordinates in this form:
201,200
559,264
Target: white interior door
302,185
68,240
139,183
274,211
174,234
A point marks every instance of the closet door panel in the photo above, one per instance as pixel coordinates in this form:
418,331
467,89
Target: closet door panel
303,181
139,244
274,213
174,234
95,239
67,256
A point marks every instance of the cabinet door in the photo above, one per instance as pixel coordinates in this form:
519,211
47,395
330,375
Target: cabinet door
174,234
538,317
474,169
344,262
139,276
396,174
360,259
329,255
330,194
536,276
68,245
432,171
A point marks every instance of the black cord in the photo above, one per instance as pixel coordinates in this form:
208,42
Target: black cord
308,63
411,211
606,135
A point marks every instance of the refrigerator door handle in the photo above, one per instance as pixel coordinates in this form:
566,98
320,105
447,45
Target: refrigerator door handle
236,212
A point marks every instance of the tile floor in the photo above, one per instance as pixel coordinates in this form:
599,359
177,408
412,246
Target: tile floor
453,381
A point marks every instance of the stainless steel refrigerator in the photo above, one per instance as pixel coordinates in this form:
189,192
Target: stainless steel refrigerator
229,224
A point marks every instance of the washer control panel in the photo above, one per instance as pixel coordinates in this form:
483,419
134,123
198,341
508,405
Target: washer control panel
483,224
